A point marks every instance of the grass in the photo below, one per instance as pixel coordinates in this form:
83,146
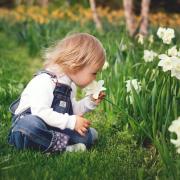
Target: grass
115,155
133,138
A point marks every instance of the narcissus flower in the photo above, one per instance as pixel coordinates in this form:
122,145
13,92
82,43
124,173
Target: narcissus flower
149,55
165,62
106,65
175,71
94,88
170,63
178,54
151,38
166,34
123,47
140,39
175,127
160,32
173,51
134,83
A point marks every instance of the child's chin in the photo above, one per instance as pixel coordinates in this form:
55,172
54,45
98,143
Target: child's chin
80,86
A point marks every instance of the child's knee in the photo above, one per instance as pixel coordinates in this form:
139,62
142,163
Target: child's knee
31,121
29,124
28,129
91,137
94,134
19,140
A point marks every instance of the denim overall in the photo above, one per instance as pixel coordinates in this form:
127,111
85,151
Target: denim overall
31,132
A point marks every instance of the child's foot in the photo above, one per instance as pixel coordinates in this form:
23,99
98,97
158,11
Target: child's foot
76,147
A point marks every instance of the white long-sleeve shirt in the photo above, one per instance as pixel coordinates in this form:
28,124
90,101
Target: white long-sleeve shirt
38,95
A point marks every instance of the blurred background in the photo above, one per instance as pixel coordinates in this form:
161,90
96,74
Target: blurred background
137,16
133,128
74,9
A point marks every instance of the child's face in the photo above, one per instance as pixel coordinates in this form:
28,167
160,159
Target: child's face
84,76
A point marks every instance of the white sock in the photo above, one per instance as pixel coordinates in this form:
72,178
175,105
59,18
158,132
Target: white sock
76,147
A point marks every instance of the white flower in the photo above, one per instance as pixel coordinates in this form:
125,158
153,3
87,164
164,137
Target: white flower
175,127
123,47
140,39
166,34
106,65
175,71
165,62
178,53
161,31
151,38
170,63
134,83
95,88
129,98
172,51
149,55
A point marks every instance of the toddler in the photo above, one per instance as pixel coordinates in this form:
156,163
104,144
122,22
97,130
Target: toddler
47,116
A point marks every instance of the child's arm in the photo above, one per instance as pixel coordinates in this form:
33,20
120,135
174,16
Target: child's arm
81,125
86,104
40,95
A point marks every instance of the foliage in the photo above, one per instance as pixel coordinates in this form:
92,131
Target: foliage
124,126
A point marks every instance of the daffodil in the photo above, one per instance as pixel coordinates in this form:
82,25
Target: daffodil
175,127
134,83
165,62
160,32
178,54
171,63
149,55
151,38
123,47
106,65
172,51
175,71
95,88
140,39
166,34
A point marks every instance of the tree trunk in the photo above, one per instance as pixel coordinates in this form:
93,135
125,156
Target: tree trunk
95,15
43,3
129,16
17,2
29,2
145,5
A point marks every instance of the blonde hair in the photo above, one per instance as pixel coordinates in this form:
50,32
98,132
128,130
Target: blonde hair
75,51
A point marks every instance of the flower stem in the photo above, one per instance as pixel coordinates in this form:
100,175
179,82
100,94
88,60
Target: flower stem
112,103
130,117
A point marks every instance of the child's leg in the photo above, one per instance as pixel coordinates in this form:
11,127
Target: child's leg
89,139
31,132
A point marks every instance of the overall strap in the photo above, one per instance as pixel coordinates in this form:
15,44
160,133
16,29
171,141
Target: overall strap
60,88
53,76
14,105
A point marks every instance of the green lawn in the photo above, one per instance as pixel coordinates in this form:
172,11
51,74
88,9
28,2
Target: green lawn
121,152
115,156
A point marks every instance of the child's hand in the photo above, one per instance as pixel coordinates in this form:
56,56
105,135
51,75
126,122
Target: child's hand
81,125
100,98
